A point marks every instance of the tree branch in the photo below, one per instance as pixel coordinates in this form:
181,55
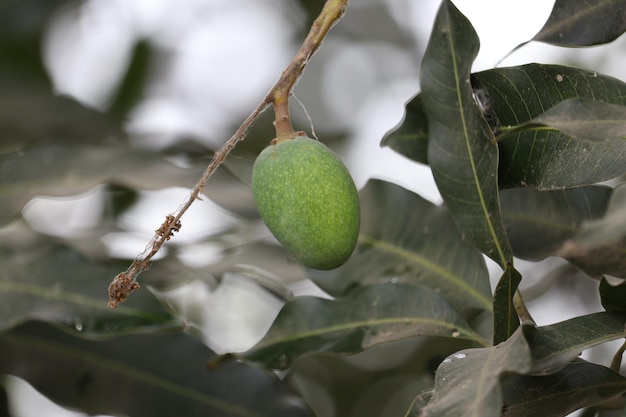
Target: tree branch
125,282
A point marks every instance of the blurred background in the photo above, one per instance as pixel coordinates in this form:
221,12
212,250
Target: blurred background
179,77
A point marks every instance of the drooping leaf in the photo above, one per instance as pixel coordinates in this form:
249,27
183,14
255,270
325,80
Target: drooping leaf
505,318
599,246
58,285
405,238
610,229
580,118
467,383
583,23
550,159
579,384
462,151
410,137
554,346
144,374
58,169
381,381
539,222
363,318
613,296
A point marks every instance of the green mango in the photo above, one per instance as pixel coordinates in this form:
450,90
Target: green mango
308,200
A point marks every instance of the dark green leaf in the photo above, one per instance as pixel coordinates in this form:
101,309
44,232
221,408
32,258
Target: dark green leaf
505,319
462,151
58,285
149,374
467,383
550,159
580,384
364,318
410,138
405,238
133,85
585,119
539,222
583,23
613,296
381,381
555,345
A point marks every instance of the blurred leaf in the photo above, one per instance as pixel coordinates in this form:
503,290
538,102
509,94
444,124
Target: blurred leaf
30,115
4,403
462,151
579,384
583,23
407,239
131,88
613,296
580,118
505,319
22,27
599,247
608,230
144,374
381,381
551,159
467,383
410,137
539,222
363,318
555,345
60,170
58,285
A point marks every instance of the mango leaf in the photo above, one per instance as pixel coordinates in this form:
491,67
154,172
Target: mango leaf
580,118
553,346
613,296
381,381
410,137
505,318
58,285
579,384
144,374
467,383
550,159
363,318
538,223
583,23
599,247
462,151
406,239
610,229
58,169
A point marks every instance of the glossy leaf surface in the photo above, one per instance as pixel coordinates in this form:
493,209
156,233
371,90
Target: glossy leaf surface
580,384
363,318
462,152
467,383
550,159
583,23
505,318
555,345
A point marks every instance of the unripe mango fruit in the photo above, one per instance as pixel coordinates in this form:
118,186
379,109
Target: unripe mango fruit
307,199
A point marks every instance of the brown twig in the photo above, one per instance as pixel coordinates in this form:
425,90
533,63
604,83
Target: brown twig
125,283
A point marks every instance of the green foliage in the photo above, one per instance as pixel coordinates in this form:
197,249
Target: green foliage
530,162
